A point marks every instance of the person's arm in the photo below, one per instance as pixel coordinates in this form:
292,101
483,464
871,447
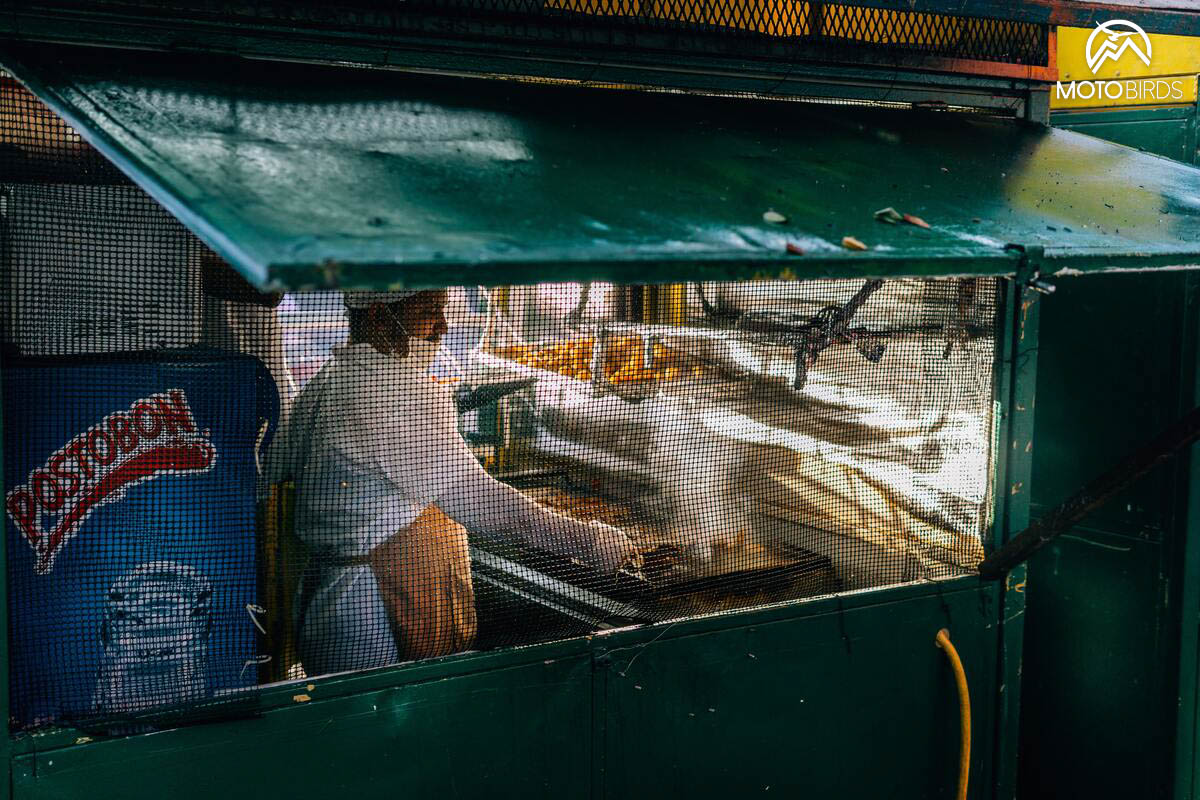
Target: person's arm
467,493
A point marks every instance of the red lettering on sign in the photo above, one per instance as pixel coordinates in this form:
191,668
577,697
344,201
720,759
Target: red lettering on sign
119,427
95,437
43,485
183,458
21,508
146,420
156,436
56,466
75,448
175,412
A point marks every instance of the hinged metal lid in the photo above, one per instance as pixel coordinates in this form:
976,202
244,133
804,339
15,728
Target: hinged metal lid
305,176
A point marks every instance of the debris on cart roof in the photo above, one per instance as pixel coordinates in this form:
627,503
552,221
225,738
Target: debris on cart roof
305,176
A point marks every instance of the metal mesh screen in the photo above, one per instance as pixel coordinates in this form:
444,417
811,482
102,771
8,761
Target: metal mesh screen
811,30
788,30
209,488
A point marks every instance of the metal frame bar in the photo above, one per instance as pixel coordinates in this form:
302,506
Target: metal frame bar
1016,393
1185,556
1002,455
1194,123
1098,492
6,742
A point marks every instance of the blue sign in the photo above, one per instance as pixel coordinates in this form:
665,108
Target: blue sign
130,494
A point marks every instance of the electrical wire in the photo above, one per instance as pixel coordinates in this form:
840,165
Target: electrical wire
942,640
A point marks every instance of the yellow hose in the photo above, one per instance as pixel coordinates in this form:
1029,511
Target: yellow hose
964,709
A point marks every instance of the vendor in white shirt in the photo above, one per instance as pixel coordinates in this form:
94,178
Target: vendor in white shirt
384,485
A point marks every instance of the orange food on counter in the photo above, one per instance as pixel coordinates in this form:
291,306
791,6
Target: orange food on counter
624,361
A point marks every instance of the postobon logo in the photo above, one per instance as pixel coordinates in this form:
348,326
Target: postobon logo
156,436
1112,39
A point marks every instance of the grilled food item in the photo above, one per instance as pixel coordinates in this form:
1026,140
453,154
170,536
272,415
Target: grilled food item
739,574
655,558
625,360
664,556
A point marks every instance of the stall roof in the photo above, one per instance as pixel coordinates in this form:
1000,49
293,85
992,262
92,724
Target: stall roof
309,176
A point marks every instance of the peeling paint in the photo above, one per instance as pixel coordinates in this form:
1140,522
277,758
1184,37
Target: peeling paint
1073,272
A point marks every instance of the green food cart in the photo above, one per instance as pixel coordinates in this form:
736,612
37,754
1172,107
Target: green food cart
838,224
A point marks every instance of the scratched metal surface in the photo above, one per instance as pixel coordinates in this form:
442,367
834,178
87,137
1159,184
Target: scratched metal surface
304,175
784,694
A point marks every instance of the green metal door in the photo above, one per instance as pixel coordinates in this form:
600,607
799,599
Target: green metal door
1104,633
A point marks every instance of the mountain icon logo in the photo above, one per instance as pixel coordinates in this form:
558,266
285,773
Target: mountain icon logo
1111,39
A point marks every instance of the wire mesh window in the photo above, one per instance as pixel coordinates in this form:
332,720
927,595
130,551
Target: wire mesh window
829,31
847,32
208,488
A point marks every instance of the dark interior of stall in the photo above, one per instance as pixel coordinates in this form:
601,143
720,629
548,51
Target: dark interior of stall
756,442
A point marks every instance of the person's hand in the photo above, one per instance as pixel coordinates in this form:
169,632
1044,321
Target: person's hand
594,544
611,548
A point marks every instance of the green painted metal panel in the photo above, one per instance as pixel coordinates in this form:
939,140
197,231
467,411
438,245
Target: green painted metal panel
306,177
857,703
516,731
266,700
1113,338
1171,138
1097,717
1169,132
1186,564
1101,698
552,720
